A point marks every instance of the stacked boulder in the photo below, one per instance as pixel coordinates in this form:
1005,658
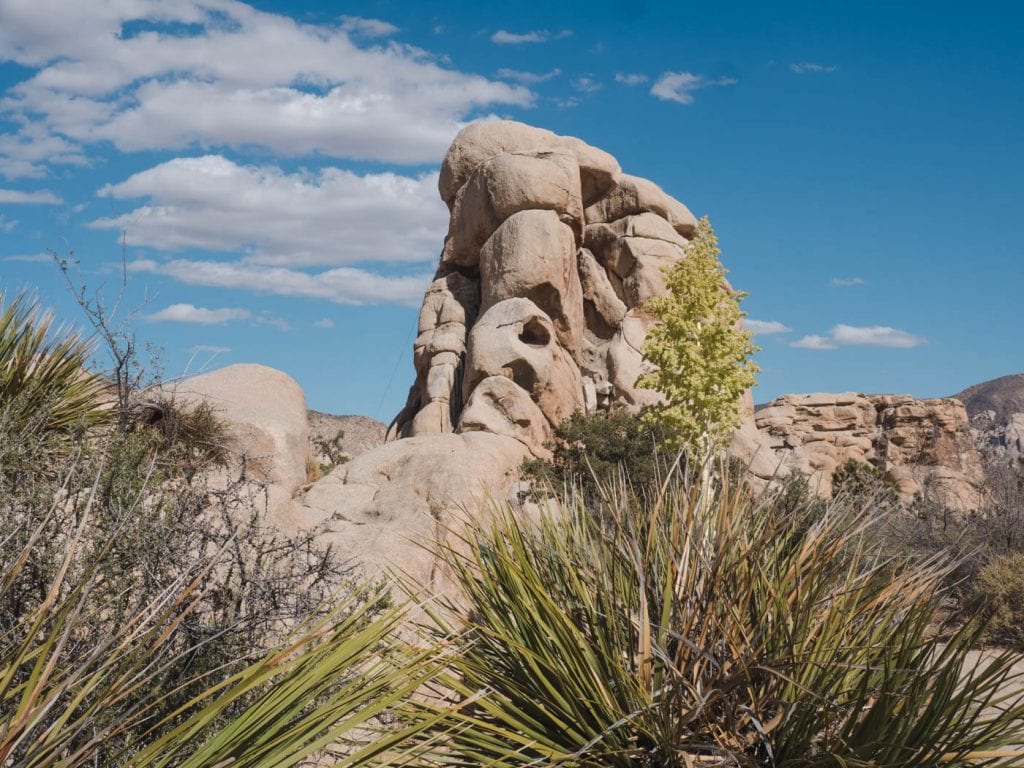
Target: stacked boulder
536,310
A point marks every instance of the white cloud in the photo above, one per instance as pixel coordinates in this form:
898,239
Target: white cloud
327,218
503,37
31,258
586,85
324,322
42,197
679,86
367,27
846,282
234,76
528,78
189,313
343,285
861,336
7,225
631,78
765,327
210,348
813,342
809,66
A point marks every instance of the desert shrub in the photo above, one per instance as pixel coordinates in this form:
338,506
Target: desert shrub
862,481
692,629
144,524
148,616
77,690
592,450
999,590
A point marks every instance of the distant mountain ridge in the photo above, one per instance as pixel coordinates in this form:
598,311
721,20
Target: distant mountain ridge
996,410
1004,395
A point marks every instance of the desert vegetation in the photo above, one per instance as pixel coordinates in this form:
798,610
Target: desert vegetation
147,616
656,611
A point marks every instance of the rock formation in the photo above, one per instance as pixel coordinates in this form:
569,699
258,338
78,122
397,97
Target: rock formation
919,444
264,411
336,439
536,309
996,409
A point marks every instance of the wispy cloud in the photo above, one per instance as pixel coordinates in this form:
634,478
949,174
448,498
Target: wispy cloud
344,285
504,37
861,336
31,258
324,322
809,66
680,86
586,84
208,348
528,78
631,78
765,327
16,196
215,204
189,313
359,25
846,282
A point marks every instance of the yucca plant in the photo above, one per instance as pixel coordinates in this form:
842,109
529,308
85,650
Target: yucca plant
702,627
43,373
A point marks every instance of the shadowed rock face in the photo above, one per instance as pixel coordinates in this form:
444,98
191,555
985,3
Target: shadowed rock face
551,254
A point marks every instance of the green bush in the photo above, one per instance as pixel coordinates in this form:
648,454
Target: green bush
701,351
694,628
589,451
863,482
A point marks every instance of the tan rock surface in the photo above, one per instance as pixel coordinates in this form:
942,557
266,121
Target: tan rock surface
918,444
549,219
385,508
268,431
265,412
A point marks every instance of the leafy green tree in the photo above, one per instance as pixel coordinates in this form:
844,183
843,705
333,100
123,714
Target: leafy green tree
701,351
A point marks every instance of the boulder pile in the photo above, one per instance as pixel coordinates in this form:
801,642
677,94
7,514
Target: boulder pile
537,307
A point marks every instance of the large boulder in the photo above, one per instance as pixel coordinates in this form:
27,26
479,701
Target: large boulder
384,510
264,411
480,141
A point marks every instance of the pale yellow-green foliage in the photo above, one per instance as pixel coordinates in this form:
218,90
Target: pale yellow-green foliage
701,350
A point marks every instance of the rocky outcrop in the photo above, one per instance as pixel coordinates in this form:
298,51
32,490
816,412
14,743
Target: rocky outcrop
536,311
551,254
920,445
335,439
996,409
385,509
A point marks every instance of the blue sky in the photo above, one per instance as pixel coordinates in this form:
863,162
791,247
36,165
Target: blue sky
273,166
